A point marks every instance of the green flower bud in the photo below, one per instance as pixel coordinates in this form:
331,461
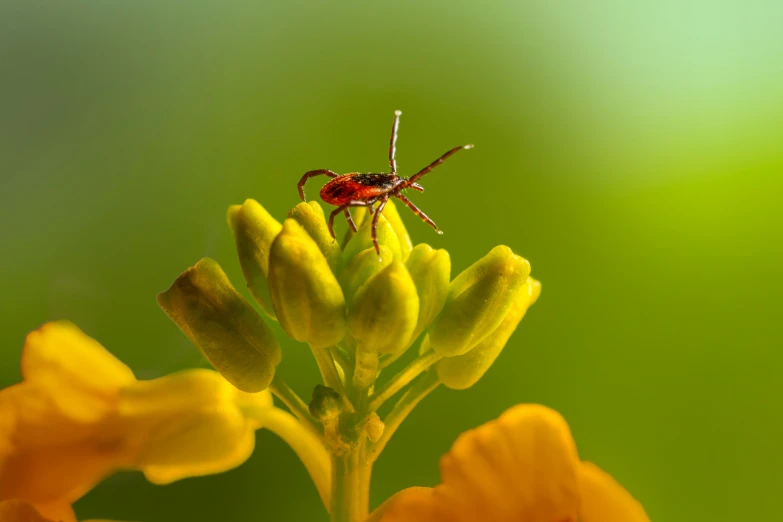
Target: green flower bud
362,267
311,216
225,327
430,270
306,297
326,403
363,239
393,217
478,301
463,371
254,230
384,312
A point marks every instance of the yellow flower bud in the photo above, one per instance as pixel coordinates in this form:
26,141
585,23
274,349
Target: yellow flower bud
362,267
254,230
307,299
311,216
478,301
385,311
430,270
225,327
463,371
362,240
393,217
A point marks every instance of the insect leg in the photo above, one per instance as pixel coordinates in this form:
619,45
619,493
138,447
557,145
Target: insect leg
419,213
413,179
375,224
310,174
344,208
350,219
393,142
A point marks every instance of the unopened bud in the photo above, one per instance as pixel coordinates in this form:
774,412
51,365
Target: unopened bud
393,217
362,267
384,311
254,230
362,240
430,270
225,327
311,216
478,301
326,403
463,371
306,297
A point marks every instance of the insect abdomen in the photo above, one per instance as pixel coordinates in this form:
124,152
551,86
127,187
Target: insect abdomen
355,186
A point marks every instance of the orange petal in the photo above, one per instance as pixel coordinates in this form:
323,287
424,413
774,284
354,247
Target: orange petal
521,467
57,474
80,373
409,505
21,511
604,500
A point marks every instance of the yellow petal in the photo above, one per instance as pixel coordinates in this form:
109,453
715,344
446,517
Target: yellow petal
82,375
604,500
198,444
189,424
521,467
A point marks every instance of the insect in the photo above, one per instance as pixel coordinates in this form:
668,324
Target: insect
365,190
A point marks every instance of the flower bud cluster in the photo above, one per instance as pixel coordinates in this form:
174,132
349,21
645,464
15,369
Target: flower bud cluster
369,306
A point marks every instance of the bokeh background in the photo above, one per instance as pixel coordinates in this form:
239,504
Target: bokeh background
632,152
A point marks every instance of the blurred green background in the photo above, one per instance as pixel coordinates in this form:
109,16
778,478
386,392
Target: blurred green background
632,153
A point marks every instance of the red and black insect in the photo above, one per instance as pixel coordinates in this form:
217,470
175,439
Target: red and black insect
365,190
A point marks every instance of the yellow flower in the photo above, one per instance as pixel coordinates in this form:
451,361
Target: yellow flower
80,415
521,467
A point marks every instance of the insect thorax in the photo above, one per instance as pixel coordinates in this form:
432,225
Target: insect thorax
380,181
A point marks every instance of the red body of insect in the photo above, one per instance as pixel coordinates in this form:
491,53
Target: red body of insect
356,186
365,190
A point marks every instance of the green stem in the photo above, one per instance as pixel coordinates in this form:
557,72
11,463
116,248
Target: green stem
351,486
288,396
420,389
329,374
399,381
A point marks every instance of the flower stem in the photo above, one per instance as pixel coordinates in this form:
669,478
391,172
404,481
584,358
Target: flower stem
406,375
351,486
329,374
420,389
288,396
